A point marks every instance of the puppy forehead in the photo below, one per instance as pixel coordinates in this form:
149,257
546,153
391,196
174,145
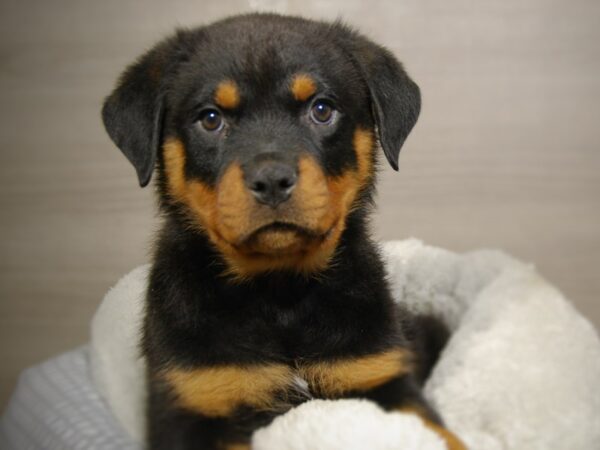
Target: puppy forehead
301,86
266,60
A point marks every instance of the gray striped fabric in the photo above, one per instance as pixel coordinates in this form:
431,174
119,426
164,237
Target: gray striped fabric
57,407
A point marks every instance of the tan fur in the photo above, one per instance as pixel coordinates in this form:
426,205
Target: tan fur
199,198
303,87
334,378
452,441
230,216
312,197
219,391
345,188
234,204
239,216
363,146
174,157
227,95
278,241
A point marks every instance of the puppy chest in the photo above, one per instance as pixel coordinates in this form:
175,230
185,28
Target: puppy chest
223,390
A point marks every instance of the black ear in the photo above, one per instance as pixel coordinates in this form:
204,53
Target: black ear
133,113
396,99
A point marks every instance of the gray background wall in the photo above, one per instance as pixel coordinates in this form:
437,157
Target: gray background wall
505,154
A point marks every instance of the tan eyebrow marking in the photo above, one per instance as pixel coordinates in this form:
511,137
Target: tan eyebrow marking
227,95
303,86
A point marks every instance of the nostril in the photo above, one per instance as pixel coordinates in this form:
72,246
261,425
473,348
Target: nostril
259,186
286,183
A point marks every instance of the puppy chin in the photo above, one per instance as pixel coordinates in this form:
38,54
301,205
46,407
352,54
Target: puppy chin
277,242
280,239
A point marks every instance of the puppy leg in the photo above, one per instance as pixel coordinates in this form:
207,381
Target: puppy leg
214,408
176,429
169,427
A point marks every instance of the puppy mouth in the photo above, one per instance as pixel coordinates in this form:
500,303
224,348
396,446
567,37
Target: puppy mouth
285,227
278,238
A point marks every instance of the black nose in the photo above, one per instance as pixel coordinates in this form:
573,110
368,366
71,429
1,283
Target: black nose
271,182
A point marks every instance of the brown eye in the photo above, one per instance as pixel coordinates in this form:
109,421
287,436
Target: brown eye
322,112
211,120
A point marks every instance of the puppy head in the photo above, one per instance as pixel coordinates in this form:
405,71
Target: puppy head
264,128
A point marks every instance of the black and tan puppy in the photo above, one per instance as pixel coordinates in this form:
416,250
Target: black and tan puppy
266,289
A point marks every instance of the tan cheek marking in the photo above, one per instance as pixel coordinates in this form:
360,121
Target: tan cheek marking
227,95
452,441
332,379
219,391
198,197
234,203
174,156
363,146
345,188
312,196
325,202
303,87
202,201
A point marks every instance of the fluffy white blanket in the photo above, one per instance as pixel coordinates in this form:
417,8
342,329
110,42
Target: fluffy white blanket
521,370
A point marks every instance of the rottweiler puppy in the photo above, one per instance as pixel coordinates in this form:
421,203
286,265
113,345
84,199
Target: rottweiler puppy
266,289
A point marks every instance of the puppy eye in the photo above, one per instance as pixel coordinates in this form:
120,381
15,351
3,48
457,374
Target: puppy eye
211,120
322,112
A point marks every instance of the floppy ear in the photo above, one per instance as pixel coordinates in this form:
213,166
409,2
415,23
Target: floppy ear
133,113
396,99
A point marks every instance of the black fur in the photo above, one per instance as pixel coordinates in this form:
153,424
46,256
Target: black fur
195,315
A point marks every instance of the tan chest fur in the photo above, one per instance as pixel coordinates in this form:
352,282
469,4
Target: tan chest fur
220,390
